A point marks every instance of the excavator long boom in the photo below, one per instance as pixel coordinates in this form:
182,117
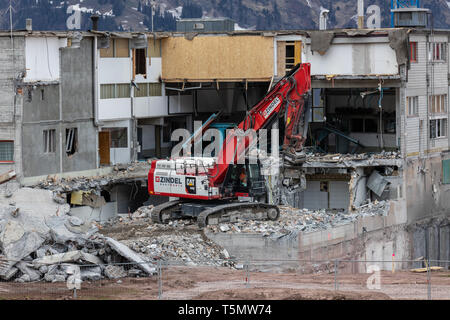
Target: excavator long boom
288,95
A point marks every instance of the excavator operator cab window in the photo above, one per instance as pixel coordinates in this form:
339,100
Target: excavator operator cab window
254,172
239,178
243,177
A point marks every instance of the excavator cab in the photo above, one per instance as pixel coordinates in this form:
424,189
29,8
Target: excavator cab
246,181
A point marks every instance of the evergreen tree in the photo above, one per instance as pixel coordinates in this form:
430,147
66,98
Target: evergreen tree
118,7
191,10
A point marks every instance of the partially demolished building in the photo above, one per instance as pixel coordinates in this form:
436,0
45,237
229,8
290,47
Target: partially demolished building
76,102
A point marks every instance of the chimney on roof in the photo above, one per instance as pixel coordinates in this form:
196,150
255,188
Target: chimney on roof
29,25
94,19
323,19
360,14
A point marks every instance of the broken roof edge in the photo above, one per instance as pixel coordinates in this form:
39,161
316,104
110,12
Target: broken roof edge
165,34
264,33
357,77
215,80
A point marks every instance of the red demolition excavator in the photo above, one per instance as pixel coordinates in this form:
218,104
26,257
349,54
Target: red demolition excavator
227,187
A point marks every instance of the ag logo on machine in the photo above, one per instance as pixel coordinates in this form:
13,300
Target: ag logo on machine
190,185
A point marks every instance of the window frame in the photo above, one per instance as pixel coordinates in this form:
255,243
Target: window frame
138,64
291,61
413,52
116,91
415,106
143,90
71,141
439,128
437,104
438,51
155,87
9,161
49,143
127,91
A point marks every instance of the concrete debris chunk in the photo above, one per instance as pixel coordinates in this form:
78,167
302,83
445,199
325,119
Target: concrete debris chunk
24,278
71,256
33,274
15,251
143,212
377,183
75,221
10,272
130,255
59,231
43,269
91,274
60,198
59,278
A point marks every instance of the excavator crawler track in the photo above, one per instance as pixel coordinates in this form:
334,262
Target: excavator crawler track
162,212
228,212
243,210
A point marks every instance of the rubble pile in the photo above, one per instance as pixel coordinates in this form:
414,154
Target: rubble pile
319,157
119,174
178,241
188,250
305,220
40,240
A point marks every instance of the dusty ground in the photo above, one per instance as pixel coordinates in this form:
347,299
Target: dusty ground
225,283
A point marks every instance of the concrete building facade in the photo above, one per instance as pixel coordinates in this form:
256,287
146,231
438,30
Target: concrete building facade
58,116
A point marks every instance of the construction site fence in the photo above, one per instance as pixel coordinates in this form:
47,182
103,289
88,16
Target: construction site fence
173,279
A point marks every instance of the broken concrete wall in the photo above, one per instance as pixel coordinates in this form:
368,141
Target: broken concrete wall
42,112
375,184
76,78
431,240
12,63
426,194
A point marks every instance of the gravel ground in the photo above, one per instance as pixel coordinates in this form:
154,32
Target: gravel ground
225,284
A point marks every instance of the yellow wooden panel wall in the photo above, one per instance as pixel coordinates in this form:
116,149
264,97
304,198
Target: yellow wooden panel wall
281,57
298,52
122,48
222,58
